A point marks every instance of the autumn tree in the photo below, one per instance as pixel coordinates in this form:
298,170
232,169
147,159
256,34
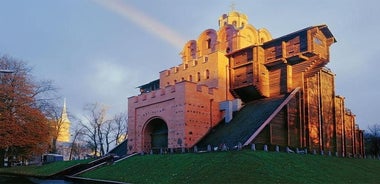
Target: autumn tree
24,130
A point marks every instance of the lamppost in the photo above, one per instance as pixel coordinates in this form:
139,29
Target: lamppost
7,71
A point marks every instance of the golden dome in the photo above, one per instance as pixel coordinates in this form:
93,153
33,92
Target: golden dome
237,14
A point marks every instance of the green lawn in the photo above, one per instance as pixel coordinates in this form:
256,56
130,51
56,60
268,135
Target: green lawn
44,170
225,167
240,167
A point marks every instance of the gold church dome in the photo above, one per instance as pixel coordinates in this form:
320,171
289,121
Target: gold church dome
235,18
237,14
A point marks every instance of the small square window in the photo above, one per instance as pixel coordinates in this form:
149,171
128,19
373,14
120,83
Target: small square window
205,59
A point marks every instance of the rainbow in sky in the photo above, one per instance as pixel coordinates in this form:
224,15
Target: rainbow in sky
147,23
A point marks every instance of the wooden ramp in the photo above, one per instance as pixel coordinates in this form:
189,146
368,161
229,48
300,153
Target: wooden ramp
246,124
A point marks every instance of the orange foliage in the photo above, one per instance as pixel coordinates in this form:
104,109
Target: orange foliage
23,127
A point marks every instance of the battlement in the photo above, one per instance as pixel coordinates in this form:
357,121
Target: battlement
185,66
172,91
200,71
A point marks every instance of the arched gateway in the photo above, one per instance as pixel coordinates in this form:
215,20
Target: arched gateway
155,135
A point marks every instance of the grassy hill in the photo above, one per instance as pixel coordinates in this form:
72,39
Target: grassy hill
42,170
240,167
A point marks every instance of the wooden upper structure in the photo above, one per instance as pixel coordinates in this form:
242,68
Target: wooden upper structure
312,117
269,69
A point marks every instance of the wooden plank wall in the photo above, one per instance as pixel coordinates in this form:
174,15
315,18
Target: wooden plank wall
242,57
275,75
273,53
319,44
292,45
327,110
312,104
242,76
294,122
348,133
285,128
359,142
264,136
278,82
279,129
261,73
320,107
339,122
242,68
316,119
330,126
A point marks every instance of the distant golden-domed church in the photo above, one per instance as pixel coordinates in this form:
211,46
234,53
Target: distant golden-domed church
239,86
64,132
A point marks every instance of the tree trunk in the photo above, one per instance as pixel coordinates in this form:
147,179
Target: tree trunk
54,147
107,144
2,157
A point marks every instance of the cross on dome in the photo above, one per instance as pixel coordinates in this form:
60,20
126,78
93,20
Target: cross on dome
233,6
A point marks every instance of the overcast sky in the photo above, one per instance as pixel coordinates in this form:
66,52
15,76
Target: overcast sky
100,51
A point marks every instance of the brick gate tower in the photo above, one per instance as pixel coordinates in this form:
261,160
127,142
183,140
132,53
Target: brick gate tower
273,91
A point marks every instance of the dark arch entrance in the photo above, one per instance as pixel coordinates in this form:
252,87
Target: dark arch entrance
156,135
